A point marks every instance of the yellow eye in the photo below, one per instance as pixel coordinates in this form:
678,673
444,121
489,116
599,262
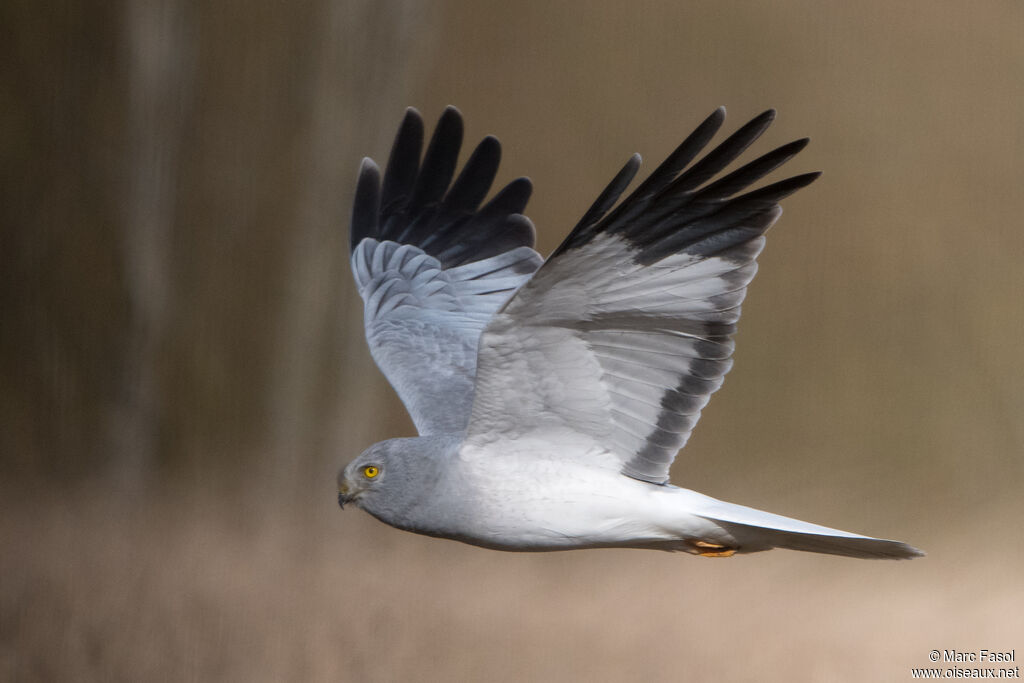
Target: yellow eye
370,471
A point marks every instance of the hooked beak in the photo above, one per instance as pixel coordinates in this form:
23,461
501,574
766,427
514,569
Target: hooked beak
344,494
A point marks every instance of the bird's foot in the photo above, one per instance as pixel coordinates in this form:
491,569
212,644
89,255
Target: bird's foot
708,549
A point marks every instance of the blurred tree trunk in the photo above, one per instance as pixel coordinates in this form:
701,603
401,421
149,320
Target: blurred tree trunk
175,289
159,47
360,52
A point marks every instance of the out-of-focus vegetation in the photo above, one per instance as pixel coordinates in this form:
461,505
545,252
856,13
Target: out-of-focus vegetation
177,190
182,366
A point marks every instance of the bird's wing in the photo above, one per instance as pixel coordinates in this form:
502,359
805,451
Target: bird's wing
626,330
432,266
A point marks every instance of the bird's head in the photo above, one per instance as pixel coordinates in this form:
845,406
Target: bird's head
391,478
365,476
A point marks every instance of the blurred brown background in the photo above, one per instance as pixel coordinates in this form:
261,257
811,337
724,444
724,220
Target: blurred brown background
182,368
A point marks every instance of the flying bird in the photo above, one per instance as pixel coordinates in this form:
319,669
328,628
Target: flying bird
551,396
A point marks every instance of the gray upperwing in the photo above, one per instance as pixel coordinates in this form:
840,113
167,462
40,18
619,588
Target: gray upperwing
626,331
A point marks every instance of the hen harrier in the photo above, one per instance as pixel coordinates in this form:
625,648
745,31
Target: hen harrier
552,396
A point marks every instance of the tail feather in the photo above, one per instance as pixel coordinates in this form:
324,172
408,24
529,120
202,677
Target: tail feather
753,539
755,530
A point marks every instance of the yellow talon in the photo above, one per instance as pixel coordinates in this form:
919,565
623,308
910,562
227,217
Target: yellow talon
707,549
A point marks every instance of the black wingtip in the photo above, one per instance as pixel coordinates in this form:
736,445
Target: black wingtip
416,202
805,179
411,121
368,165
450,122
439,161
722,155
761,122
703,133
449,116
489,148
778,191
366,205
403,162
686,152
798,145
510,199
474,182
751,172
751,131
